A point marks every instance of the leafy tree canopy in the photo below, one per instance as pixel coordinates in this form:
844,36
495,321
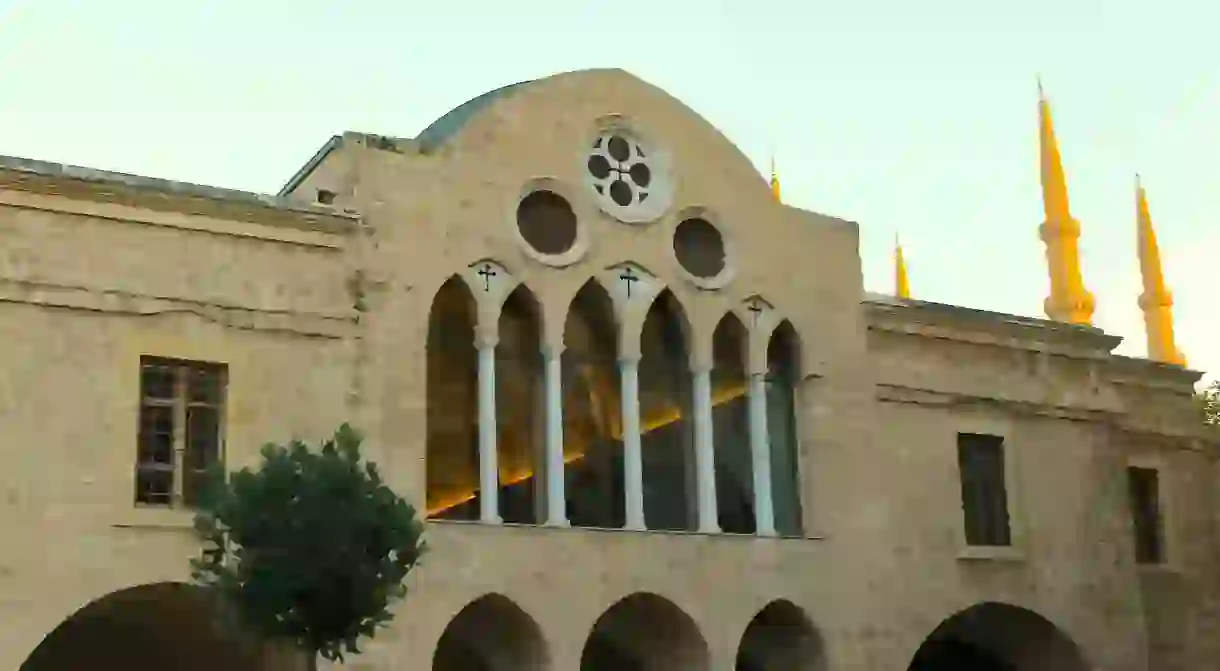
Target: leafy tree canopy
1209,399
312,547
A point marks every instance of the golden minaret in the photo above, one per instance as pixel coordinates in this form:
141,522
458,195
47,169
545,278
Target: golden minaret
774,180
1156,302
902,286
1069,300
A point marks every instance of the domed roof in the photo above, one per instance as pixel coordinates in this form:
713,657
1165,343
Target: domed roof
445,127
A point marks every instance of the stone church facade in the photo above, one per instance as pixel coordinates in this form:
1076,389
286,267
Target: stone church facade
709,447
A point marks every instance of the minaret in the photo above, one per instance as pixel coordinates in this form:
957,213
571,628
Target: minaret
1156,302
1069,300
774,180
902,286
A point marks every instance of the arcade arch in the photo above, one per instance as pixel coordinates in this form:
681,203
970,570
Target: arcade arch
153,626
731,427
780,637
995,636
452,463
783,381
491,634
519,405
644,632
562,412
592,430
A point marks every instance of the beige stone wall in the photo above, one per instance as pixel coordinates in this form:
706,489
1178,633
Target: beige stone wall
85,298
885,390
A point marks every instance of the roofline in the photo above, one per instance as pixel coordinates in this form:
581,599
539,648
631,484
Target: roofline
1022,320
95,176
306,170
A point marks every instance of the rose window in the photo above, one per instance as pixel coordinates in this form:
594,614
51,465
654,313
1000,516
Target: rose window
627,179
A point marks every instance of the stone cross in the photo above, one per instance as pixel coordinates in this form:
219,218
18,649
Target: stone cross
487,273
754,308
630,279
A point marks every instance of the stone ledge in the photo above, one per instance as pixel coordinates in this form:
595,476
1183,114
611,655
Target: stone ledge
111,301
991,553
935,397
199,222
607,530
153,517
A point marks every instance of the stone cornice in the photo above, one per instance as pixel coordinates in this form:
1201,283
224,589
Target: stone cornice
1119,420
72,183
1150,374
114,302
893,393
950,322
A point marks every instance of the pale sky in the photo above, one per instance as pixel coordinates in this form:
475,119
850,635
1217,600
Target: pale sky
916,118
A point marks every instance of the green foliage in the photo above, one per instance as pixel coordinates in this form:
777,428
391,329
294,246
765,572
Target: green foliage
312,547
1209,400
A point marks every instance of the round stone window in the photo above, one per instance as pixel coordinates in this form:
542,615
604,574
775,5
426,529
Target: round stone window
629,181
699,248
546,222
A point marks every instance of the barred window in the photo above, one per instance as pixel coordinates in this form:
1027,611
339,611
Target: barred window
181,431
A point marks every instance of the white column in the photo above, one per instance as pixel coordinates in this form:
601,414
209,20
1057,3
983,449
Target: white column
556,500
760,451
633,460
489,479
705,458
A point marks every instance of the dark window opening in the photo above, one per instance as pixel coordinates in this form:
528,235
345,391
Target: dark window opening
980,460
547,222
1144,489
699,248
326,197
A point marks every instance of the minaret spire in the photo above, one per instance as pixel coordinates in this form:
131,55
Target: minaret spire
902,285
1155,302
774,179
1069,301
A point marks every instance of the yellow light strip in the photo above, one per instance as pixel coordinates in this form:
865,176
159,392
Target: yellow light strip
662,420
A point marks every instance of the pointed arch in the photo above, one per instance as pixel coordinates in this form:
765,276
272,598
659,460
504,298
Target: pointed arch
783,384
731,431
153,626
519,408
593,451
994,636
492,633
781,637
666,401
452,448
644,631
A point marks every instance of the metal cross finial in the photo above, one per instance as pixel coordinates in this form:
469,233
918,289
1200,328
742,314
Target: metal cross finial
756,309
630,279
487,273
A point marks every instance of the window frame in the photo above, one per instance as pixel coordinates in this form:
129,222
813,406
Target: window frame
1164,502
181,403
1000,427
994,527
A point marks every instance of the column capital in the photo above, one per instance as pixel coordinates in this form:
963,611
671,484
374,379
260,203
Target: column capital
632,358
486,338
552,350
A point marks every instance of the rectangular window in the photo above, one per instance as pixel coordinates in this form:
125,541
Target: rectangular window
980,460
1144,489
181,431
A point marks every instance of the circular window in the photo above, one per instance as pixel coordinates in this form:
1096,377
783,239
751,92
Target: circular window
628,179
546,222
699,248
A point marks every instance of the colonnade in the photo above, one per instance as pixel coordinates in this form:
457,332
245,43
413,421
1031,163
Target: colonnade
632,291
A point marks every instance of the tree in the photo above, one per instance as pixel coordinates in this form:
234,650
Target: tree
311,549
1209,399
